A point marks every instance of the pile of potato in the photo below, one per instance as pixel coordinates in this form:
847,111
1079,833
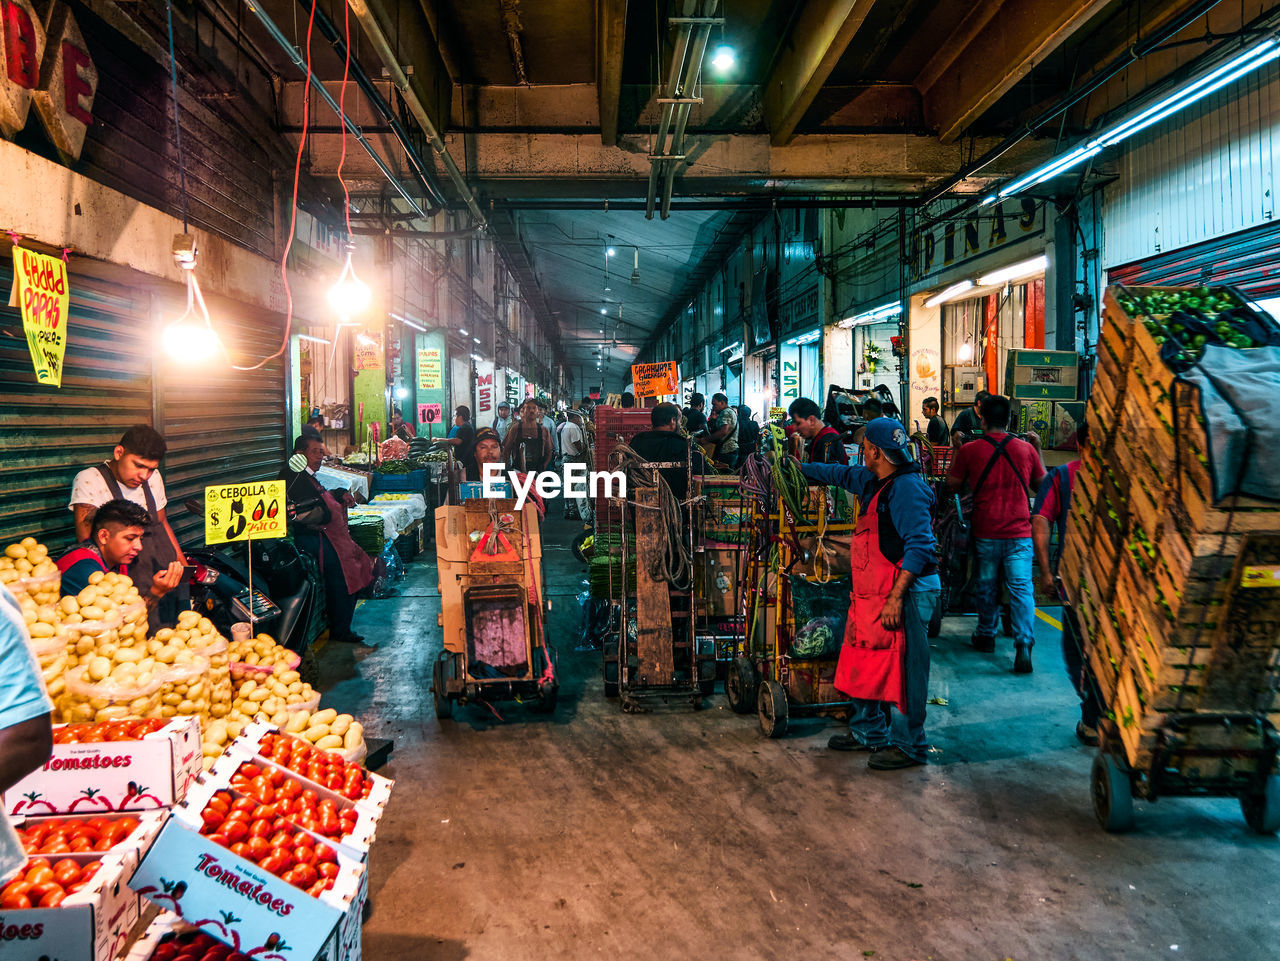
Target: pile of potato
261,652
27,570
327,730
107,615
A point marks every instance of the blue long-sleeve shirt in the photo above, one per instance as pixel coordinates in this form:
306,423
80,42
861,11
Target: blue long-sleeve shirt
910,510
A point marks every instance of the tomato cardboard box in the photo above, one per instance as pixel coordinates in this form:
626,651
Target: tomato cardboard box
355,844
154,772
168,927
250,741
127,848
238,902
92,924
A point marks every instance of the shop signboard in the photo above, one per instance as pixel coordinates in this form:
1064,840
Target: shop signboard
430,369
484,406
241,512
949,243
42,293
789,378
368,352
49,68
656,380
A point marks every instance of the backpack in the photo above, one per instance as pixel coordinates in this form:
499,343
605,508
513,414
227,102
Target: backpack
748,432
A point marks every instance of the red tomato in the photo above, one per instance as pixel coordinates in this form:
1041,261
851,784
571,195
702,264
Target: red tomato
260,829
240,849
15,902
39,874
38,891
212,817
235,830
66,872
274,862
327,869
53,898
258,848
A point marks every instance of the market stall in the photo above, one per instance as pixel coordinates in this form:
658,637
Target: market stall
179,756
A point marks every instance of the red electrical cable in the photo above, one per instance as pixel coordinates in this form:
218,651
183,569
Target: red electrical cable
293,205
342,111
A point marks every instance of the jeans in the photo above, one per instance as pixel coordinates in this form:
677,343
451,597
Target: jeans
876,723
1015,556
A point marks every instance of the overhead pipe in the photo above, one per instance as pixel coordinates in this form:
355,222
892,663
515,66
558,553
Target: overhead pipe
692,70
425,175
386,53
352,127
678,54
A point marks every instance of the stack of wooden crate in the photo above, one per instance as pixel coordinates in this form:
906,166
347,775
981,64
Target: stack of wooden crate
1153,566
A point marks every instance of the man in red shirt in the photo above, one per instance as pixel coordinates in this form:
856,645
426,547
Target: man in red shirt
824,441
1002,472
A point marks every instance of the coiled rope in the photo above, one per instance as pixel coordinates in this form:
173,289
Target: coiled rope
674,562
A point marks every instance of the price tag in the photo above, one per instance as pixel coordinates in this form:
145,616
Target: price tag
429,413
777,412
237,512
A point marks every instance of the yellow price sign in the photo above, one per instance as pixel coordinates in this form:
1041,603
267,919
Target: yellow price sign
238,512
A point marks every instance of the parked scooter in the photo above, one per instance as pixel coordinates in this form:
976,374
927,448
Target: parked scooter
287,595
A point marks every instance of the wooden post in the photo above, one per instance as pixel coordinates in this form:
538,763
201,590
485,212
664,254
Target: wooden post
653,597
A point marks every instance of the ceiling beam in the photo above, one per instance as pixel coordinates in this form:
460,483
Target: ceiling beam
611,35
999,53
416,46
818,40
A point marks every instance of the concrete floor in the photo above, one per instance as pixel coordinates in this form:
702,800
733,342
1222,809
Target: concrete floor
678,834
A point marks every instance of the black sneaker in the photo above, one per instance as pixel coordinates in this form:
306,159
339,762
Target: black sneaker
847,742
983,643
1022,659
891,759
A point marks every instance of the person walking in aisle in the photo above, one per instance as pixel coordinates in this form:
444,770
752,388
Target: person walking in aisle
1001,471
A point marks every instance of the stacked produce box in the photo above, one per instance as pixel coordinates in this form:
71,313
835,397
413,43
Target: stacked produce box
1159,573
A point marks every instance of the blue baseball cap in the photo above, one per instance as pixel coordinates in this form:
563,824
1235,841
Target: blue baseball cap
888,434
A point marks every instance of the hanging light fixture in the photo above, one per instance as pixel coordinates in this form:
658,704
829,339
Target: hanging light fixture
349,295
190,337
635,270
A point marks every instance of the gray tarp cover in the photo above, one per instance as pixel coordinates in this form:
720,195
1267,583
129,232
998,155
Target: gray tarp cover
1240,397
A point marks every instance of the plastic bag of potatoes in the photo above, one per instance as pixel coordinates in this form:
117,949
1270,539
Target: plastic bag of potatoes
48,643
260,656
327,730
108,613
221,688
28,571
95,693
186,688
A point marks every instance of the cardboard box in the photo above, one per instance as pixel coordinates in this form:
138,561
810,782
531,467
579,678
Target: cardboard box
149,824
250,740
718,574
1042,374
356,844
343,945
154,772
237,902
91,925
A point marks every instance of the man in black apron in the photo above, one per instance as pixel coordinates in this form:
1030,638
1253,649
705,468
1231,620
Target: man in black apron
132,475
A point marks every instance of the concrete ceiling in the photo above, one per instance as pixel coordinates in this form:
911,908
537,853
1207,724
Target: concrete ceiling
546,106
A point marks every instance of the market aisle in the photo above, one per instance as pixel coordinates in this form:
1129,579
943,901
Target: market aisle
683,835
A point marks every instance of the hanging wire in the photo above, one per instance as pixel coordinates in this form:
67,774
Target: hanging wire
177,124
293,204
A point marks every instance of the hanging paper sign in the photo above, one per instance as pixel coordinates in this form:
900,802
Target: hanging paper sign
369,352
43,295
429,413
237,512
655,380
430,369
777,413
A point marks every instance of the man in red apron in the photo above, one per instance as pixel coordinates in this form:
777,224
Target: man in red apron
319,524
884,661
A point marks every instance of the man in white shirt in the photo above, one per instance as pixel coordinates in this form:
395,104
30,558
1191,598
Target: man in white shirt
573,446
131,474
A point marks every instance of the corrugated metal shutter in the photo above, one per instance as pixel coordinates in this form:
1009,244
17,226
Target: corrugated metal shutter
1247,259
224,425
48,434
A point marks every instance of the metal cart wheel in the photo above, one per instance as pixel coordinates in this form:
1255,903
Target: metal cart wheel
548,694
1112,794
1262,811
741,684
439,676
771,705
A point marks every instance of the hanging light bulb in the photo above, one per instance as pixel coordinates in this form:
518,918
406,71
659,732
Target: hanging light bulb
966,351
349,295
190,338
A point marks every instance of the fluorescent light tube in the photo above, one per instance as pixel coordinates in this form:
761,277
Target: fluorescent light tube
1026,268
314,340
951,293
